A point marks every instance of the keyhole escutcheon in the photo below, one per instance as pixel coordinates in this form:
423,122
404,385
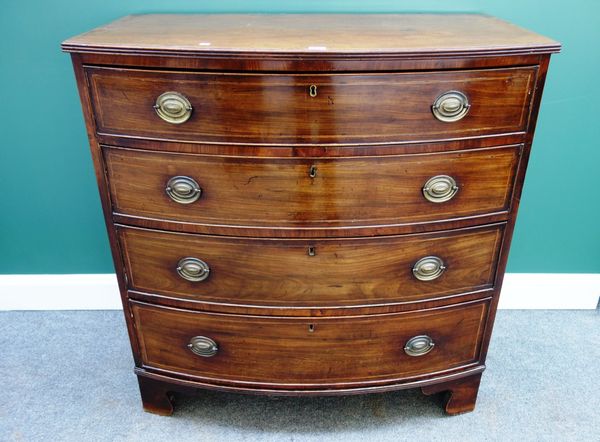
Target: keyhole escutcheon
312,172
312,90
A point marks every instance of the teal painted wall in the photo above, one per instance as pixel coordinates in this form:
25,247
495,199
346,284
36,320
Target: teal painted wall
50,220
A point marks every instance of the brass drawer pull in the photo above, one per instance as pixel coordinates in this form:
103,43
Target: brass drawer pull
193,269
428,268
450,106
419,345
173,107
183,189
440,188
203,346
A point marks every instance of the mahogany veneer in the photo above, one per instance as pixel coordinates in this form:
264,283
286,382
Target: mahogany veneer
229,111
318,352
272,192
348,271
310,204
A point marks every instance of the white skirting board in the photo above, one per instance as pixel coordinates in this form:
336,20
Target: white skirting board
100,292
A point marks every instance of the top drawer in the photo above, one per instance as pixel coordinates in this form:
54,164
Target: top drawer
301,108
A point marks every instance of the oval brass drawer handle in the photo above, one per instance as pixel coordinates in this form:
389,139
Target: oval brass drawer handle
428,268
183,189
203,346
173,107
193,269
419,345
450,106
440,188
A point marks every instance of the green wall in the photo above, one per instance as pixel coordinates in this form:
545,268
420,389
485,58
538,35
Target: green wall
51,220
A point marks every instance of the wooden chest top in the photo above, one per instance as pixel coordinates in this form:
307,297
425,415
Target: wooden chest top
404,35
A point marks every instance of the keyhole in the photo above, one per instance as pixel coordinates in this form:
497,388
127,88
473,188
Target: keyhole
311,328
311,251
312,90
312,172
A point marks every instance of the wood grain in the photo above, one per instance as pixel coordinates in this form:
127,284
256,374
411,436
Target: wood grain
272,192
314,150
310,62
276,108
302,34
338,352
358,271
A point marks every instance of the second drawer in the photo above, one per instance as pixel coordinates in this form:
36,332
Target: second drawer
311,273
309,193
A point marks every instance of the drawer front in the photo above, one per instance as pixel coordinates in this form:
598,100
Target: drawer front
311,273
343,108
358,191
309,352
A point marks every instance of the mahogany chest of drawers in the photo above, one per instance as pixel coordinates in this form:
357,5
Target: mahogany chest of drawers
310,204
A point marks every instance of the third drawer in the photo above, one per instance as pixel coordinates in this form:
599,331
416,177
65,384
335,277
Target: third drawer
316,273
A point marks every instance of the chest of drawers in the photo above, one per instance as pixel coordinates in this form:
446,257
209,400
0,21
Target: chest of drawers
310,204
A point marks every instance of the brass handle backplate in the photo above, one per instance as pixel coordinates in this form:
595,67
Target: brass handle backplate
419,345
193,269
173,107
450,106
203,346
183,189
440,188
428,268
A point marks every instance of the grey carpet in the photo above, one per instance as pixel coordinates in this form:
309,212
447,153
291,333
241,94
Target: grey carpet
68,376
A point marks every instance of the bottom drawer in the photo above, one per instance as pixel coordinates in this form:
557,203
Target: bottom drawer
309,352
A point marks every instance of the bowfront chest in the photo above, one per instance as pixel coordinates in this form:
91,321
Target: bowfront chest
310,204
